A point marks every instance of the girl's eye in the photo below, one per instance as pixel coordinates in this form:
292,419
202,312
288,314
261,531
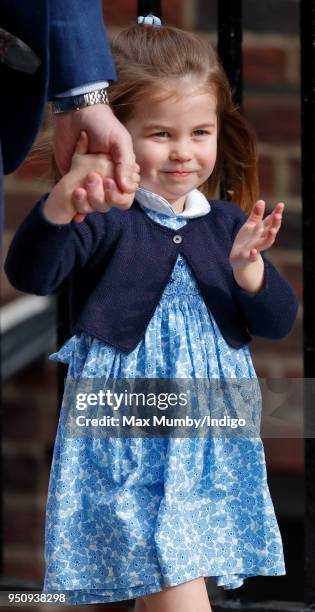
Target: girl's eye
201,132
161,134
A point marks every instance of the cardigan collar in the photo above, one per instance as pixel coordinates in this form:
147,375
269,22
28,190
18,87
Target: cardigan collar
196,204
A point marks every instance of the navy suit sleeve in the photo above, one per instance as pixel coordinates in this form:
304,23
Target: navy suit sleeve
42,254
79,48
270,312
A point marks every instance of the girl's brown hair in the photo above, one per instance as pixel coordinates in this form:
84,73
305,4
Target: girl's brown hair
147,58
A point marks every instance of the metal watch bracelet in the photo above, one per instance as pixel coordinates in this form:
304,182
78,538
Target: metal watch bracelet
62,105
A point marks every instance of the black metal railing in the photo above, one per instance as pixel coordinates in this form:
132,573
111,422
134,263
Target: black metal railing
307,39
230,36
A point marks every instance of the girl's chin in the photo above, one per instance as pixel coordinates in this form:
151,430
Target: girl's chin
173,194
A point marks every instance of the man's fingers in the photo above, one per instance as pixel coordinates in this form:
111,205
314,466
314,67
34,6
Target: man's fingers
127,176
115,197
81,148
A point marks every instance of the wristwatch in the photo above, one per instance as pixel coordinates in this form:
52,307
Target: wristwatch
62,105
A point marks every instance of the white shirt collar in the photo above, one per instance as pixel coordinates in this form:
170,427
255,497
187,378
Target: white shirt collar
196,204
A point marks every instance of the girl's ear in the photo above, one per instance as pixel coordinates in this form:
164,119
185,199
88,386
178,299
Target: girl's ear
82,145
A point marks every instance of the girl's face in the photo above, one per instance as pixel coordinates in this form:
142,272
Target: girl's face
175,142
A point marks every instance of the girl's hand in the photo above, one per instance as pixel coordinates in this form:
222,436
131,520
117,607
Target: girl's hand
88,186
99,191
257,234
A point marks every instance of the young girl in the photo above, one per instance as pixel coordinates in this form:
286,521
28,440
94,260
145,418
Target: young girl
170,286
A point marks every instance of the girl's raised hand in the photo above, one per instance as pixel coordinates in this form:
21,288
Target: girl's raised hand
99,191
256,234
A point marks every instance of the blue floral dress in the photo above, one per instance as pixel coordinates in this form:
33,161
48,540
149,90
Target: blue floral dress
127,516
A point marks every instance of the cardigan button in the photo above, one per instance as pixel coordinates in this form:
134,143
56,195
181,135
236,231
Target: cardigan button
177,239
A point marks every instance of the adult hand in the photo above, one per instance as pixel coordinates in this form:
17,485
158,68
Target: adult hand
98,190
256,234
106,135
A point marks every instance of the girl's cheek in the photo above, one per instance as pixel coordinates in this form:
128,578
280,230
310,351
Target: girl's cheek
145,162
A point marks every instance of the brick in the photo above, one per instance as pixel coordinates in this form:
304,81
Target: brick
33,422
16,208
24,527
294,372
264,65
173,13
267,177
21,424
29,569
275,119
293,273
120,14
43,375
292,344
284,454
268,16
24,473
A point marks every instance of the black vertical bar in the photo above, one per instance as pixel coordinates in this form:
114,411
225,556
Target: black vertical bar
230,34
230,44
1,386
307,41
149,6
1,446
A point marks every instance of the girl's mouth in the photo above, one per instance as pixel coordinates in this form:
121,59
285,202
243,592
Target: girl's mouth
179,174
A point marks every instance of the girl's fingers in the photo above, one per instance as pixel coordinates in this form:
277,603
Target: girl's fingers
78,217
263,240
80,201
257,212
95,192
275,214
268,220
280,207
82,145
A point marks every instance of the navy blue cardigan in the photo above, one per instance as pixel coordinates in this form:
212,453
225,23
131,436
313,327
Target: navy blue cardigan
122,260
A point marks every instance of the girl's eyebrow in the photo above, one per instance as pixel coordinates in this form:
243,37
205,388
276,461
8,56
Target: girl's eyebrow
155,126
204,125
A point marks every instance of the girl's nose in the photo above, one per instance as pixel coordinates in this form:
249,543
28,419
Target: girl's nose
180,153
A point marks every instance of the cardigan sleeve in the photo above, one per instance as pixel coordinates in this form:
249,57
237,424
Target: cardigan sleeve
42,254
270,312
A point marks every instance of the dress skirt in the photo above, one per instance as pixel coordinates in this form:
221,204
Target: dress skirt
126,517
